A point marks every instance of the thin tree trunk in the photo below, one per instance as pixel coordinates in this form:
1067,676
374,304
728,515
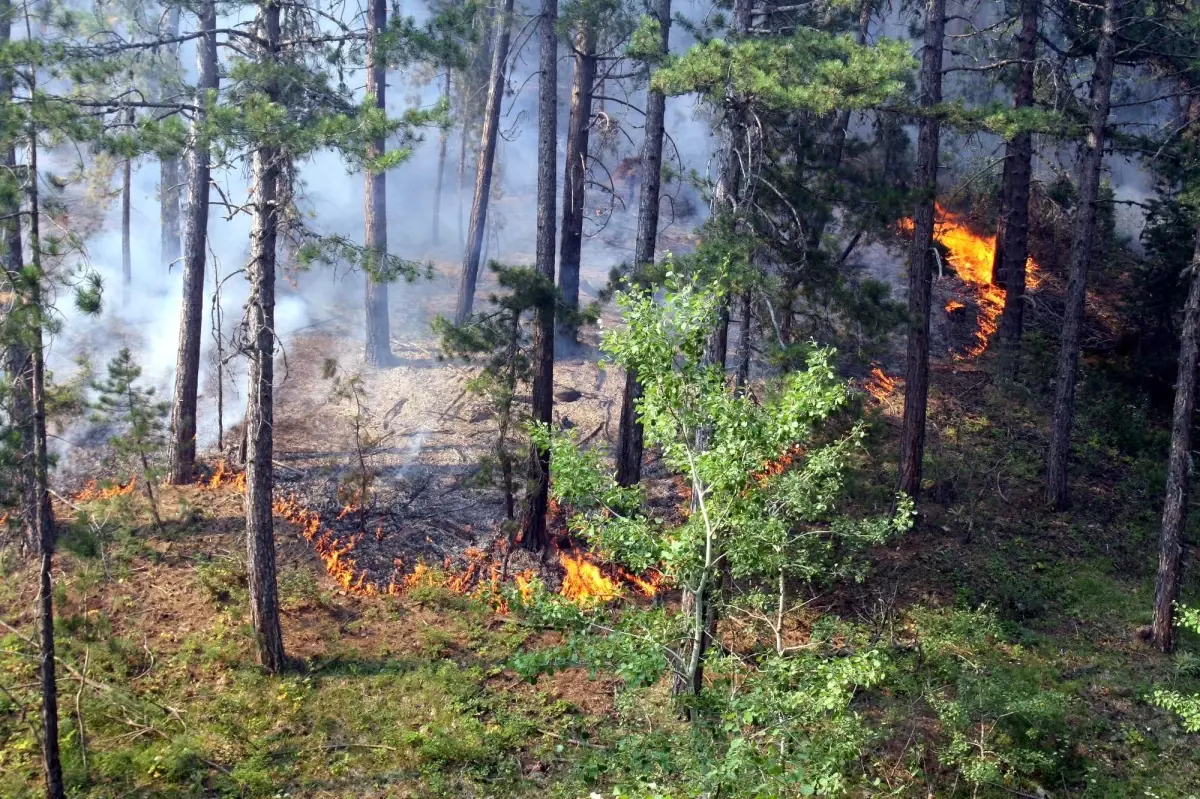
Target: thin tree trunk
126,220
728,189
630,443
1057,496
17,361
1012,234
44,515
462,179
533,523
575,177
379,336
1170,553
170,173
920,275
483,170
191,314
260,530
441,169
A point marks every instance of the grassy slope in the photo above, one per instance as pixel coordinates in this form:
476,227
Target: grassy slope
1014,658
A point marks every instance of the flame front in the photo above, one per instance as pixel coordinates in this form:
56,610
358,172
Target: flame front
584,582
972,257
879,385
93,491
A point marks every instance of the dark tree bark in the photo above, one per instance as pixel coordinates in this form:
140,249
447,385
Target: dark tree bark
43,513
170,173
17,364
575,177
630,443
483,170
920,266
1057,496
191,314
441,169
745,345
260,311
1012,233
1170,552
534,535
379,335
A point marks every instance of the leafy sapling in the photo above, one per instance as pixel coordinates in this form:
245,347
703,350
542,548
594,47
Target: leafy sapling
768,490
131,411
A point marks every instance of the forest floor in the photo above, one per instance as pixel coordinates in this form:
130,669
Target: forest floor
1014,652
1015,664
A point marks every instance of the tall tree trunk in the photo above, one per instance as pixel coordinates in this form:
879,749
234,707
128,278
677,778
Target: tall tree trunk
1012,233
441,169
728,189
170,172
920,274
43,513
575,177
630,443
483,170
533,523
379,336
17,361
1170,552
462,179
260,530
191,314
126,221
1057,496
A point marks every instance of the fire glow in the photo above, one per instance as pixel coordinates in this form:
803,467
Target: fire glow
93,491
585,580
972,257
879,385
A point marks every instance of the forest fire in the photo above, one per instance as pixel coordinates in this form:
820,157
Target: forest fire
585,580
879,385
94,491
972,257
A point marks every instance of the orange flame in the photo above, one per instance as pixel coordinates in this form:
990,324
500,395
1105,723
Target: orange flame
583,582
879,385
93,491
972,257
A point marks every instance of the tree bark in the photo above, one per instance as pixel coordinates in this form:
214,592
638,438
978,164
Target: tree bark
575,177
534,535
920,275
441,169
43,513
191,314
1057,496
260,530
630,442
378,333
745,346
126,219
170,172
1012,233
483,170
1170,552
17,361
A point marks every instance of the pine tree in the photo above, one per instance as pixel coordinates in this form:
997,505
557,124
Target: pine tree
135,419
920,266
1082,242
534,535
487,158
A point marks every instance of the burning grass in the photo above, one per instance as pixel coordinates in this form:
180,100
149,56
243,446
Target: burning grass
481,572
96,491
